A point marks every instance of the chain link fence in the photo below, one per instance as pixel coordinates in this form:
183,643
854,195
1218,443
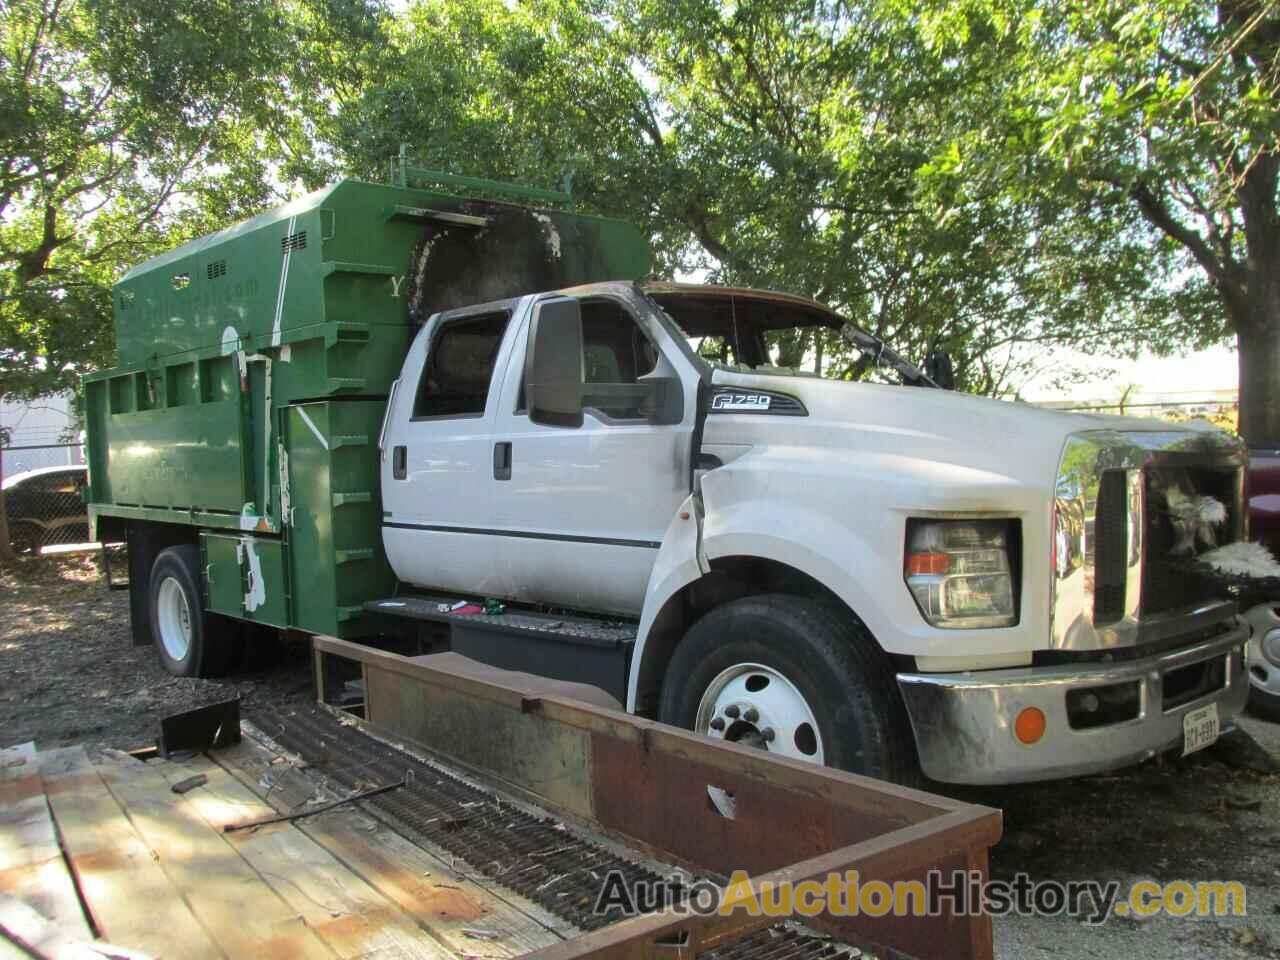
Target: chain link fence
24,457
44,496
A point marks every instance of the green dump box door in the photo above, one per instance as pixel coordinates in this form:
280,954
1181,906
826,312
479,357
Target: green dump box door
334,514
245,577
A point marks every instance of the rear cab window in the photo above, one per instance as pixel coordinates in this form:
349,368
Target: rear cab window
459,367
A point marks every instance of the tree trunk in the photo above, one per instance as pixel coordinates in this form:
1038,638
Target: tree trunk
1258,355
1257,320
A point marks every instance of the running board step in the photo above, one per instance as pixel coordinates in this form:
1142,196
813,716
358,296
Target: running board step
576,630
577,649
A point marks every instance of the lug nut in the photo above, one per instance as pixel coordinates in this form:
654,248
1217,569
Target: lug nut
767,734
731,711
717,723
752,715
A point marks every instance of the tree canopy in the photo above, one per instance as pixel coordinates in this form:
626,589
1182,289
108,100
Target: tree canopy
128,126
1150,130
990,177
781,145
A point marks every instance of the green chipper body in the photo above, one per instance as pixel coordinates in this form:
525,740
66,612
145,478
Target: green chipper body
254,367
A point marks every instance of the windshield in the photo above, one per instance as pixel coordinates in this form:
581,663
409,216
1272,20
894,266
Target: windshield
754,331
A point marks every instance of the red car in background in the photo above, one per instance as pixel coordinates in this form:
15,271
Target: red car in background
1262,609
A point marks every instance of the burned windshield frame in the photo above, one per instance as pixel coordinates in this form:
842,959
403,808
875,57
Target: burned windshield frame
883,357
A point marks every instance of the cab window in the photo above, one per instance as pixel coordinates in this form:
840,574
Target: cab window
614,351
455,379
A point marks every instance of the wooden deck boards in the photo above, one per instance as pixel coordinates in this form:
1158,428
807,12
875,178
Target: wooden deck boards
125,888
351,917
32,869
109,851
451,906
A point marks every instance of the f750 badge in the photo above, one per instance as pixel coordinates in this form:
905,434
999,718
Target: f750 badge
744,402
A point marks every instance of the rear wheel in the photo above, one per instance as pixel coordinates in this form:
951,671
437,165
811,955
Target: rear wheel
190,641
788,675
1264,661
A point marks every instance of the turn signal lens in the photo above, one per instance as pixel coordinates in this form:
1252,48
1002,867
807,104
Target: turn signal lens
926,564
1029,725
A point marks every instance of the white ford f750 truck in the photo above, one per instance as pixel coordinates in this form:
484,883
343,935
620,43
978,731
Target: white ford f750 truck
860,574
886,578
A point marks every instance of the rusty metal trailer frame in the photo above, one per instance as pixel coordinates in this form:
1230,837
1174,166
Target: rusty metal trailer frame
645,785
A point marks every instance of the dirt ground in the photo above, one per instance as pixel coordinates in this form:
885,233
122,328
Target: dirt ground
69,675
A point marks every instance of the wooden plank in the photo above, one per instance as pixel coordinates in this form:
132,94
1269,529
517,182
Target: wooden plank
32,868
349,915
420,880
132,901
244,916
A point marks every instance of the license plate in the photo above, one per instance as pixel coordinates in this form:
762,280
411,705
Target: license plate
1199,728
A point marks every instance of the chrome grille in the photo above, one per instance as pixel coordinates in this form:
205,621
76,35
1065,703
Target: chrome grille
1169,580
1114,581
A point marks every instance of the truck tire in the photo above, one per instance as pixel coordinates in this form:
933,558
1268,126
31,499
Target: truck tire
1264,661
191,642
791,676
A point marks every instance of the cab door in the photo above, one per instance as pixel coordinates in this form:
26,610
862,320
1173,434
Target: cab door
437,453
579,512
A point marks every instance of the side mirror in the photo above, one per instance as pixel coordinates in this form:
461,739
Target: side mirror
938,368
553,363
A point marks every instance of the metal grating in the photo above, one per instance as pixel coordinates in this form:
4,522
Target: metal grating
780,943
536,857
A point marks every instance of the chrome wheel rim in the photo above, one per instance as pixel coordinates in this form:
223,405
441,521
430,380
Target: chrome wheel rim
757,706
174,618
1263,661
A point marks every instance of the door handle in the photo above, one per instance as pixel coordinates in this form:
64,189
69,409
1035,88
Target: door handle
399,463
502,460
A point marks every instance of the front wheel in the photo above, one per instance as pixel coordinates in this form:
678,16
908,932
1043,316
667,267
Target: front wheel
1264,661
788,675
188,639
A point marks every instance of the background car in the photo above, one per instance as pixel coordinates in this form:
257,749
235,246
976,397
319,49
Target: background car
45,507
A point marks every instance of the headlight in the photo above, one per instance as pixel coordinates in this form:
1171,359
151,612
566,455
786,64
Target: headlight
961,571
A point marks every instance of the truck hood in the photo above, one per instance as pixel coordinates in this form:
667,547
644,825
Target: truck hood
1010,439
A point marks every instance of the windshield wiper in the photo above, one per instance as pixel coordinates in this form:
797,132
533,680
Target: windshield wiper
883,356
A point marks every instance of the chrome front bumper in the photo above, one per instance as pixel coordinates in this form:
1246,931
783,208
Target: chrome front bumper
963,722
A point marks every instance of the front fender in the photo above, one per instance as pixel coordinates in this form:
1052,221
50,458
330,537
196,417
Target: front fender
842,521
810,541
679,563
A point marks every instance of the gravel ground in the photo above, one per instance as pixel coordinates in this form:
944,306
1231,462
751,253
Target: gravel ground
1195,819
69,675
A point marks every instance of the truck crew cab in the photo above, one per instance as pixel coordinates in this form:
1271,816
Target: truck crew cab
887,577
